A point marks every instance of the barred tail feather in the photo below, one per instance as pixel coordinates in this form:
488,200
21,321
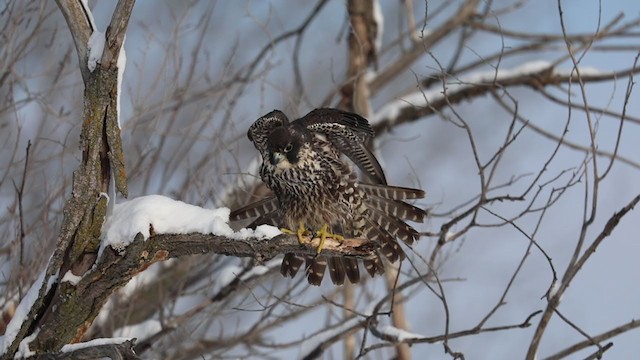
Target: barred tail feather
336,270
374,266
315,267
397,208
395,227
266,219
351,269
257,208
389,247
392,192
291,264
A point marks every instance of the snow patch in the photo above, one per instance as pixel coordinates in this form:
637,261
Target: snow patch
73,279
95,46
227,275
141,331
399,334
261,269
584,71
266,232
423,98
553,291
378,17
87,10
168,216
23,347
23,310
121,63
449,235
94,342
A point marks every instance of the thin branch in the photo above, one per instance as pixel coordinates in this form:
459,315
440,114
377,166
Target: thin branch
20,193
116,32
633,324
80,27
611,224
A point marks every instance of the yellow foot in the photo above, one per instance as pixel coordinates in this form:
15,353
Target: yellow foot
300,233
324,234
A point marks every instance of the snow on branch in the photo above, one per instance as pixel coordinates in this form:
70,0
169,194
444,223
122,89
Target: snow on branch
161,215
181,229
154,228
22,311
535,74
95,342
89,15
111,348
120,63
393,334
95,45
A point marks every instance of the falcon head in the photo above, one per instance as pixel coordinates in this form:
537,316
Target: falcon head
283,146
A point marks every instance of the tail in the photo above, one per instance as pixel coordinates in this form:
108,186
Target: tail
339,268
392,192
255,209
386,222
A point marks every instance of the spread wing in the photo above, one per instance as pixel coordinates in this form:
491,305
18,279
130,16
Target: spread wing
348,132
259,131
352,121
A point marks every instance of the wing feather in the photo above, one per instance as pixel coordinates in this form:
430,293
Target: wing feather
349,133
352,121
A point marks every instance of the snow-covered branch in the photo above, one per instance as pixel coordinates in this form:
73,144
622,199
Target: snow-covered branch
537,74
154,228
114,348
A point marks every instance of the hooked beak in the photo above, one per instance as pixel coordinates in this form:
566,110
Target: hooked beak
276,157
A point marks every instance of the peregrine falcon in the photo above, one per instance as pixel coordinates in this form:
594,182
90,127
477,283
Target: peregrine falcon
315,189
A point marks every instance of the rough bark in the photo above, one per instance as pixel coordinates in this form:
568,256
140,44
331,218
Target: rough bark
79,238
68,320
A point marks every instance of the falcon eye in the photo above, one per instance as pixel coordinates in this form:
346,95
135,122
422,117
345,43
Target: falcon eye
288,148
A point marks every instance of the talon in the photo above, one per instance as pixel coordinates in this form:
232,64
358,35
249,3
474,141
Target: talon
323,233
301,232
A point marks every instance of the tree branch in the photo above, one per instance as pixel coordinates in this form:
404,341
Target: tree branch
554,301
536,80
84,211
81,29
116,32
123,351
68,321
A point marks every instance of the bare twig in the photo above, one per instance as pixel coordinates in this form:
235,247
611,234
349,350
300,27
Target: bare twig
20,193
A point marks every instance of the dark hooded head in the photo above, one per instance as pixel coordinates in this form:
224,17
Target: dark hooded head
284,143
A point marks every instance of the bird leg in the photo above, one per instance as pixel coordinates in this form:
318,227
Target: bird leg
324,234
300,233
